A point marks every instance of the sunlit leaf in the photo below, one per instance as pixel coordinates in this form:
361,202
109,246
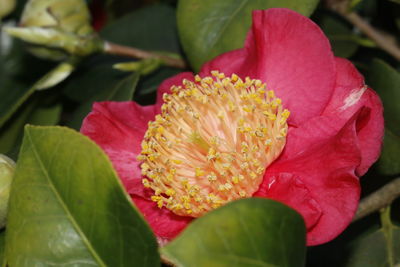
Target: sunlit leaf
68,207
249,232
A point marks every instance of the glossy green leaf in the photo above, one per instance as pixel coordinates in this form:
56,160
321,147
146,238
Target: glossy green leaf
68,207
208,28
379,248
249,232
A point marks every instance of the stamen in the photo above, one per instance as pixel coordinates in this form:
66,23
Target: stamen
212,143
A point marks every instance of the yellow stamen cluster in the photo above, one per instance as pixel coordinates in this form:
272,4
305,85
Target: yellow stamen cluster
212,143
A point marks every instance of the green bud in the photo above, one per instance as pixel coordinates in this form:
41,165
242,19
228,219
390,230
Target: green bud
57,29
144,66
7,167
6,7
70,16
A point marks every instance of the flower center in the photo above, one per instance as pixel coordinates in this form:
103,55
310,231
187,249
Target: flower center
212,143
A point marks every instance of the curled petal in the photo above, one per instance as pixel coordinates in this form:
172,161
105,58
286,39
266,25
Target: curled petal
351,95
324,158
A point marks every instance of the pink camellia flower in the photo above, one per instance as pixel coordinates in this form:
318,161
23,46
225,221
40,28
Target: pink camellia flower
281,118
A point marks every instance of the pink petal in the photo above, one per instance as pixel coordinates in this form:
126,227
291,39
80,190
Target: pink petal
349,96
118,128
164,223
165,87
370,130
228,63
288,189
292,55
323,156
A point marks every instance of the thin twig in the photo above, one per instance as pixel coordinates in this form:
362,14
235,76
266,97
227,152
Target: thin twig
379,199
116,49
383,40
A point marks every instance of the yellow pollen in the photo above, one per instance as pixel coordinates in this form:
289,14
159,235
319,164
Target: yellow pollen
211,143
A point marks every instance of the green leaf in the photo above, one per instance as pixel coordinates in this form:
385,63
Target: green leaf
208,28
121,90
160,33
249,232
11,132
14,97
2,247
389,163
125,89
379,248
68,207
32,112
46,115
90,80
342,39
386,81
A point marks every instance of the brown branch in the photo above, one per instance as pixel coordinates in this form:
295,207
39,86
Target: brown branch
379,199
120,50
166,261
383,40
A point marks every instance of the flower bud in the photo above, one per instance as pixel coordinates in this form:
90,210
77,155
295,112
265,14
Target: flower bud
7,167
6,7
57,28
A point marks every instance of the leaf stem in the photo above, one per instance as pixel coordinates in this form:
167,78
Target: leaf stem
120,50
387,227
381,198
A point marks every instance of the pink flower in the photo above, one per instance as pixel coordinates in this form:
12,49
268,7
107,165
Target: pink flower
311,162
